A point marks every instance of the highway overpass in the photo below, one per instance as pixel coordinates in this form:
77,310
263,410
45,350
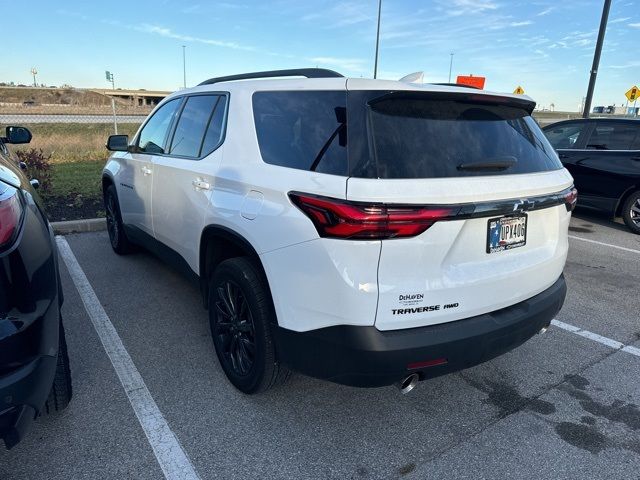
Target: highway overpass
137,98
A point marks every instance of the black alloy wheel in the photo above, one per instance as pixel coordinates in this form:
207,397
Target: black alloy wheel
234,328
242,318
117,237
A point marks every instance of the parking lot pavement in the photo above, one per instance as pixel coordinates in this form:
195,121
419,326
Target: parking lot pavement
603,280
560,406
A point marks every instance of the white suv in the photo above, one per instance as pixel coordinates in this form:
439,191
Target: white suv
365,232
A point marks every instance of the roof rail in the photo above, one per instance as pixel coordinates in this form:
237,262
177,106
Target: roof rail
294,72
463,85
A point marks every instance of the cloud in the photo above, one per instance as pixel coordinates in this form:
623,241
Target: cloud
342,14
635,25
465,7
619,20
349,64
546,11
632,64
168,33
582,42
520,24
191,9
557,45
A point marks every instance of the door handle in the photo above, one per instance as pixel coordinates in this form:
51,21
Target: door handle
145,170
563,155
636,158
200,184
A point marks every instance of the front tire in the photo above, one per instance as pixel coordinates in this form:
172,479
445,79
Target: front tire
240,315
631,212
117,236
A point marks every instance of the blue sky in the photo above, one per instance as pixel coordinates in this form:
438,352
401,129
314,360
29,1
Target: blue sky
545,46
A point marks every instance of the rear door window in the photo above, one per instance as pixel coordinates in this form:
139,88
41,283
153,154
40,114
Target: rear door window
419,135
193,123
305,130
612,136
566,136
215,131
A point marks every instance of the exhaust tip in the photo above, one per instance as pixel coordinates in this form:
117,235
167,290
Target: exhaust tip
543,330
408,383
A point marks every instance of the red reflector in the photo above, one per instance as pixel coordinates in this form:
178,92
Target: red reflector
570,199
10,211
427,363
356,220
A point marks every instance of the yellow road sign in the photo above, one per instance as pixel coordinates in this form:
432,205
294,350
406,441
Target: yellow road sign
633,94
519,90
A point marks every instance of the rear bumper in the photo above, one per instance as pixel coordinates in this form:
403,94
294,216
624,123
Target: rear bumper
367,357
23,393
25,388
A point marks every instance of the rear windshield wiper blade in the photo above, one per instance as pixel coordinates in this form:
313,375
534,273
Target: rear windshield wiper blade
499,163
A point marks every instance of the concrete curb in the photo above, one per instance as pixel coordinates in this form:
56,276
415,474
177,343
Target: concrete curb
79,226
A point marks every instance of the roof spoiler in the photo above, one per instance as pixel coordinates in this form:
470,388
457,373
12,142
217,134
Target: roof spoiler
295,72
471,96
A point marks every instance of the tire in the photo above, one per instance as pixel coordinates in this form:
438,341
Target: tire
241,314
61,390
631,212
117,236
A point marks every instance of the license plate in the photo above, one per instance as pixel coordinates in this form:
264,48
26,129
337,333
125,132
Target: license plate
506,233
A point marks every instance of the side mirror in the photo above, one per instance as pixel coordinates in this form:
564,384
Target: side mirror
118,143
17,135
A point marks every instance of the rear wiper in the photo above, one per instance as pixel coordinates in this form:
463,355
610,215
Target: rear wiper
498,163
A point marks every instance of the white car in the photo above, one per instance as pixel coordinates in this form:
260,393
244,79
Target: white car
366,232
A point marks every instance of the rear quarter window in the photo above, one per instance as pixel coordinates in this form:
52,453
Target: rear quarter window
302,129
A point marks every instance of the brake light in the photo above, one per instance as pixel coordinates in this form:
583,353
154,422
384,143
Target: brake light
336,218
570,199
10,214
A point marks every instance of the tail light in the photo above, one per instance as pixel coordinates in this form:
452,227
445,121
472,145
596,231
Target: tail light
10,214
570,199
336,218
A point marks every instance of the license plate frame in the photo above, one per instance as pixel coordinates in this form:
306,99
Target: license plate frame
494,245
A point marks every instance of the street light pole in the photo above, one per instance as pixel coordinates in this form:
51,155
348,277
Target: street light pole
450,66
375,65
184,66
596,58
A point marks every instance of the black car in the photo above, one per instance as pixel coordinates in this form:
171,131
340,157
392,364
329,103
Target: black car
603,155
34,366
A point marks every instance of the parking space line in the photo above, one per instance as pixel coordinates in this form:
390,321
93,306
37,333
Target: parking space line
597,338
173,460
604,244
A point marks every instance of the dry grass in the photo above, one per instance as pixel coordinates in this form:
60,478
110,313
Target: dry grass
75,142
78,155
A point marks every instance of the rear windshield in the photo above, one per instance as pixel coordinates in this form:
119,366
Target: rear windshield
379,134
397,135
